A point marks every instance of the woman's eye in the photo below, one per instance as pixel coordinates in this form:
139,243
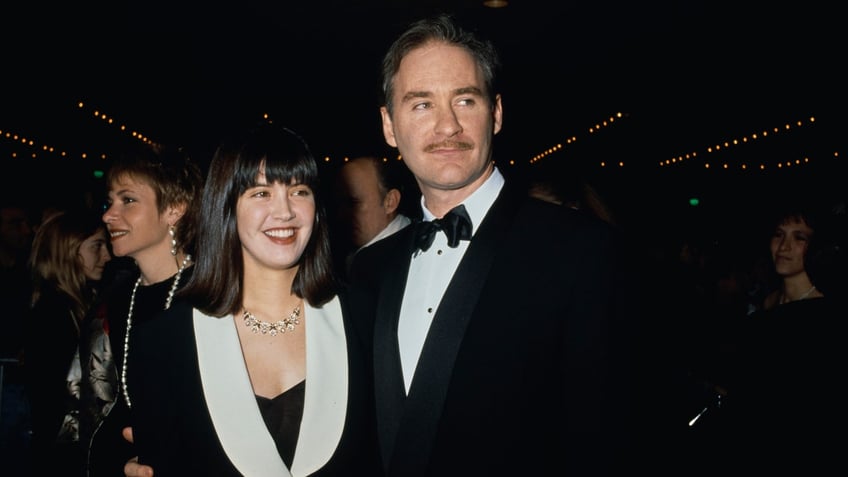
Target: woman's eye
257,193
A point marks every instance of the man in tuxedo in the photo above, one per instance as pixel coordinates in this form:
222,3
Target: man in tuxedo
367,206
500,346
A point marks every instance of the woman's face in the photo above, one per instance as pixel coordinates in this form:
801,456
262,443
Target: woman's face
789,246
94,255
135,226
275,223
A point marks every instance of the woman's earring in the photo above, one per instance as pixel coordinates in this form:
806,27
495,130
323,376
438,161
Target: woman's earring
172,231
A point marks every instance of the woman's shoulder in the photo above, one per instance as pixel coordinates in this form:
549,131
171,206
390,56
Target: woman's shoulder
771,300
164,340
169,327
795,318
50,300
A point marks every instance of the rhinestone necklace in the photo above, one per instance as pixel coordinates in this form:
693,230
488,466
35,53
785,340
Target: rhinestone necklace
129,323
265,327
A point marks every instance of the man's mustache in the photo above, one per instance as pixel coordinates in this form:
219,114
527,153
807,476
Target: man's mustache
462,146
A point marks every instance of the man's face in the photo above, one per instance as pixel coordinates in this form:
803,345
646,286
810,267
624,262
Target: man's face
442,122
362,206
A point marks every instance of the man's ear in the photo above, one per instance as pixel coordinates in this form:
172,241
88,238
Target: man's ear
388,130
391,201
497,114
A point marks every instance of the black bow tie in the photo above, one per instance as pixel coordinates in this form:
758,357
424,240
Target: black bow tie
456,224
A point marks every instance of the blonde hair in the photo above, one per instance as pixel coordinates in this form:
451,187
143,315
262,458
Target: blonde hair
55,260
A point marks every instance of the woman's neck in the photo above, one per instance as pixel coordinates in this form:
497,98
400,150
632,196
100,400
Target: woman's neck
269,290
798,287
160,269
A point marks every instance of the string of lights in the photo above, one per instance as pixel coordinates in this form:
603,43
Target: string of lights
572,139
36,148
30,143
725,145
99,114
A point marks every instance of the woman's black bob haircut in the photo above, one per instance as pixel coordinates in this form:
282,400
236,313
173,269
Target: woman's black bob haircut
284,156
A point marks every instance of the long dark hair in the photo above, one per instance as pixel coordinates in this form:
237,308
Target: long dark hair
216,283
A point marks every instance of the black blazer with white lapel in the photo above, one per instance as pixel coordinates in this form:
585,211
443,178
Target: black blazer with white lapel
182,372
521,372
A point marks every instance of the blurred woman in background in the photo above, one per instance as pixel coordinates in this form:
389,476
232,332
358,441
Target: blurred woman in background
68,256
786,387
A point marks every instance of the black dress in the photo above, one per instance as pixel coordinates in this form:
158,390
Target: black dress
785,405
102,352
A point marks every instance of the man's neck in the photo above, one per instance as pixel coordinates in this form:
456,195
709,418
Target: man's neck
440,201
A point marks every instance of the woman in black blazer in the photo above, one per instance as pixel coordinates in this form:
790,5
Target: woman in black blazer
256,370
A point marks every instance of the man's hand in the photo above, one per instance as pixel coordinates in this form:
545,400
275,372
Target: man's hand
132,468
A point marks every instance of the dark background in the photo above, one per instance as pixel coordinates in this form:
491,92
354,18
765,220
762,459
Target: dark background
686,75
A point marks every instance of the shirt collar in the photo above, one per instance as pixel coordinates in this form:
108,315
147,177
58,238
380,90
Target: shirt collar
478,203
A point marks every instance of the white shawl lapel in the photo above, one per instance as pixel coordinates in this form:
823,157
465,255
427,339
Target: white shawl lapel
232,403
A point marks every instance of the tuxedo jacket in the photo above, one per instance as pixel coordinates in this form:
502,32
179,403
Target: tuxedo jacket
195,412
524,370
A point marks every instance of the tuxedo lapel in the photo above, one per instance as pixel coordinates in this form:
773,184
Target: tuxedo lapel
430,383
232,403
229,394
389,387
326,388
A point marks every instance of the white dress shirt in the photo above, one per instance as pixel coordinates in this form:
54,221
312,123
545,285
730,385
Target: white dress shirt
429,275
400,221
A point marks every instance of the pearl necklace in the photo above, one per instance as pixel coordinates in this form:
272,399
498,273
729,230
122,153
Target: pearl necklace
129,323
783,298
286,324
